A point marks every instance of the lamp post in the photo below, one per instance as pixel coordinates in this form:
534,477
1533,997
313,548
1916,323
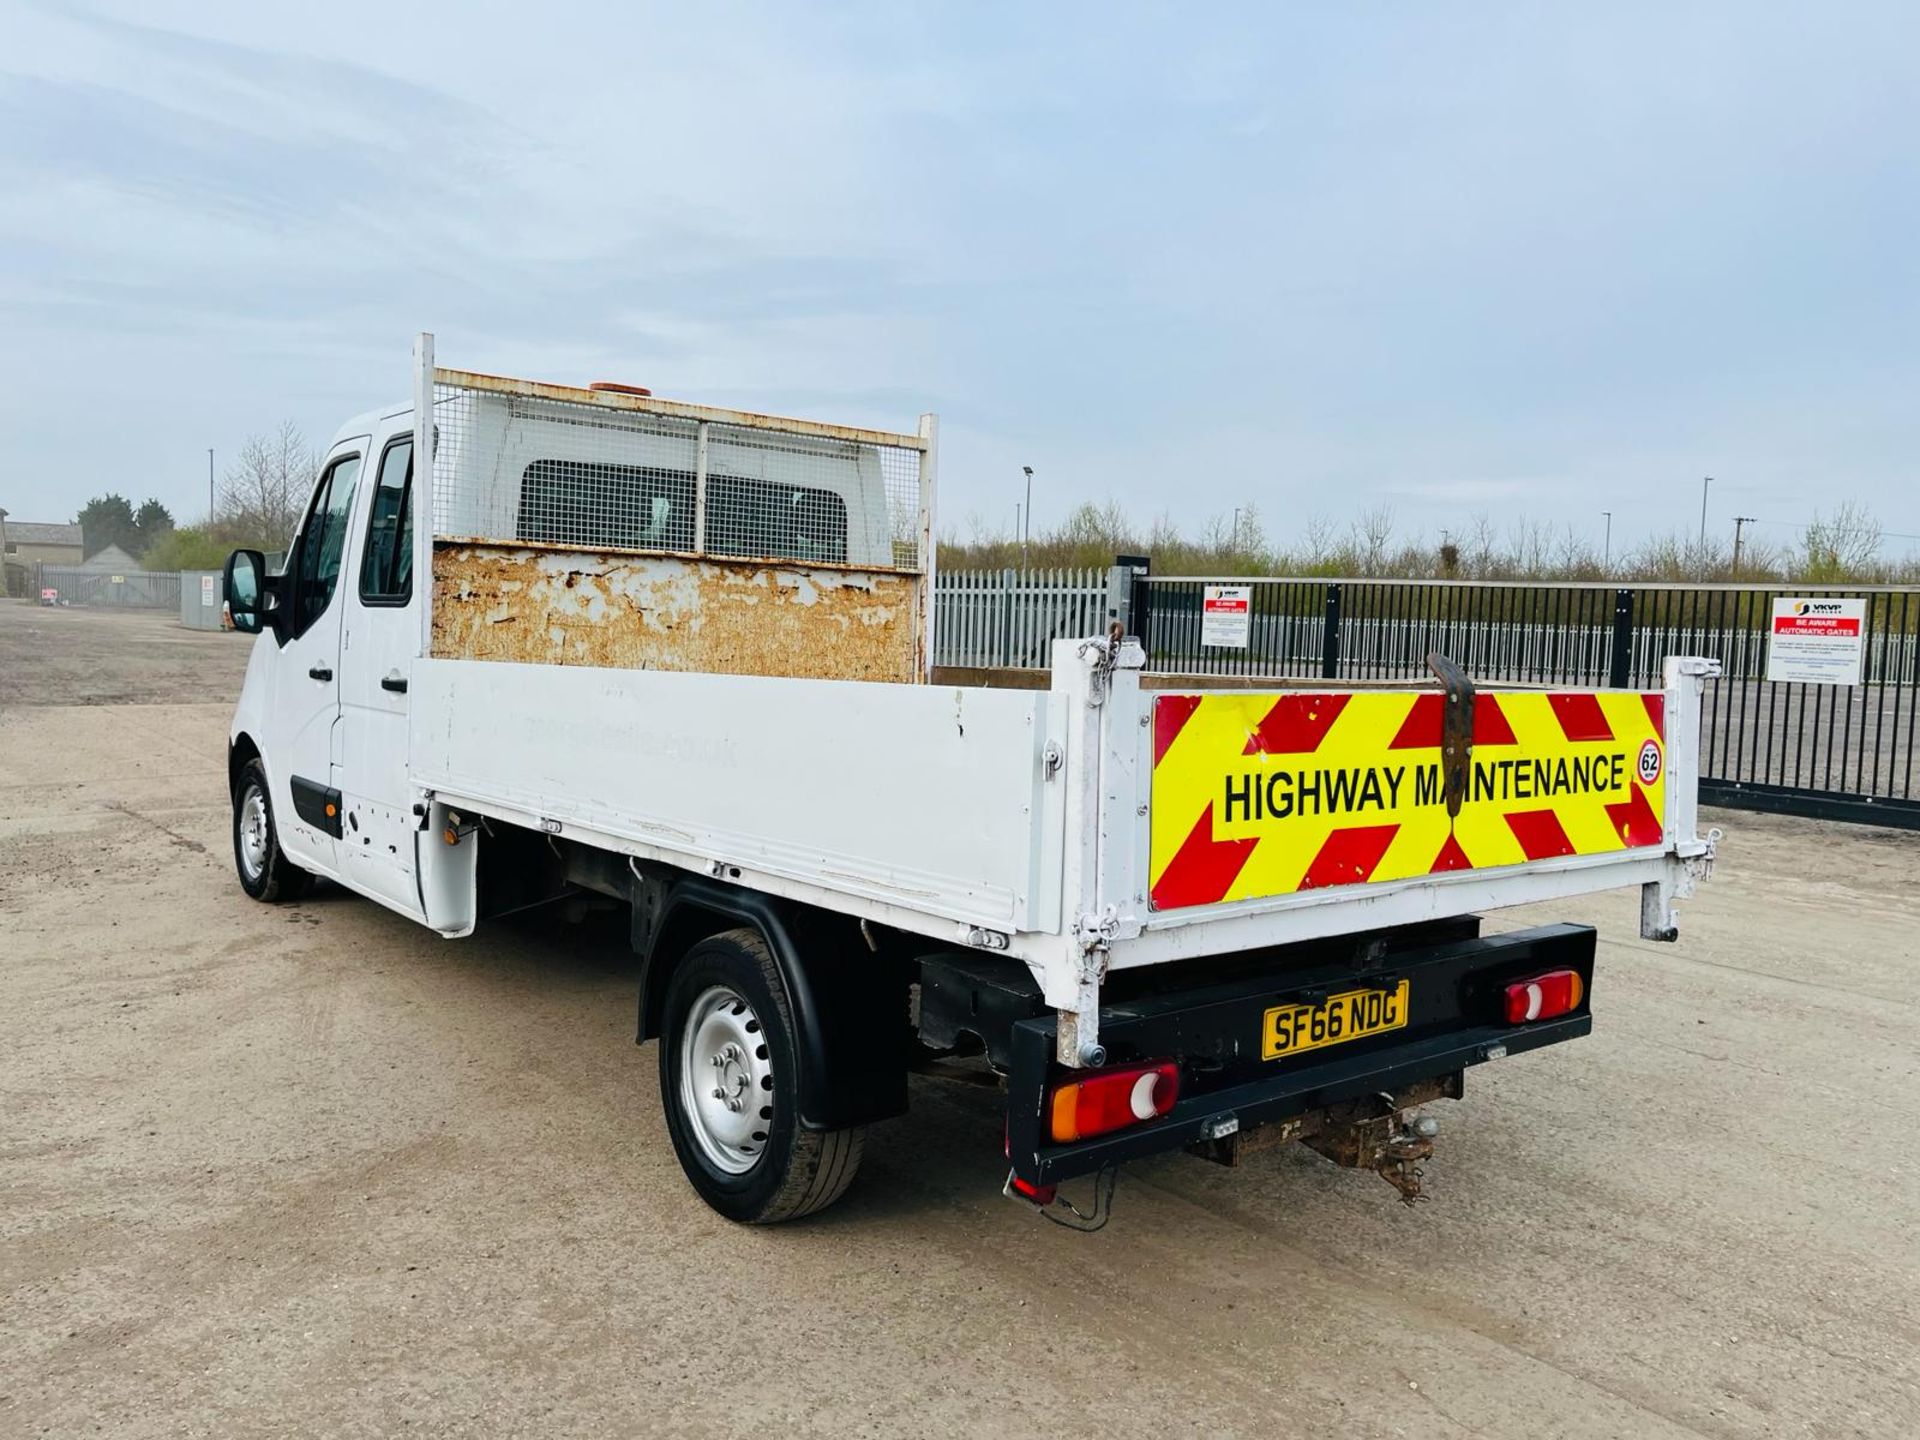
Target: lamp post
1703,513
1026,516
1606,553
210,503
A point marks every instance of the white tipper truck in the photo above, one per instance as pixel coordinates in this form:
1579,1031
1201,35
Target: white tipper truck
533,641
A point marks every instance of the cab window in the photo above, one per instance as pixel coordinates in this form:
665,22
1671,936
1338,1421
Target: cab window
613,507
786,522
386,564
315,562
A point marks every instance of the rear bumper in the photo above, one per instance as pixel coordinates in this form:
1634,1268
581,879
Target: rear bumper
1456,1020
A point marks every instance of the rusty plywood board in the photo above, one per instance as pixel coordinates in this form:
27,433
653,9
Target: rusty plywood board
568,607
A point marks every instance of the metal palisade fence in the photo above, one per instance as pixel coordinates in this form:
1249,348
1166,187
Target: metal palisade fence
1842,750
127,589
996,618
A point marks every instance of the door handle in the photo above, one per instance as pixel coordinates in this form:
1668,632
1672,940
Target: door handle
320,672
396,682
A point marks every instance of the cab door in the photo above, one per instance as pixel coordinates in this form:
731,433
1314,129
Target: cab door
378,845
302,746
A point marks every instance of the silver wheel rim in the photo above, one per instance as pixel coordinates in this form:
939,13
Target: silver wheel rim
726,1080
253,832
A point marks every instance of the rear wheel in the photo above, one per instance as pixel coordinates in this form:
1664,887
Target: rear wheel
729,1079
265,872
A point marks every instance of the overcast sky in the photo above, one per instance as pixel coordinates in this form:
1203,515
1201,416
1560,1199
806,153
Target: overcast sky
1515,258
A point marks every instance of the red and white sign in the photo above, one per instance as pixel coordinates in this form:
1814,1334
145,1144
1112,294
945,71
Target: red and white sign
1817,640
1226,613
1649,762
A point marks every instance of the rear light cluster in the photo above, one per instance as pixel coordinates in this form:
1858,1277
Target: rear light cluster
1544,996
1094,1102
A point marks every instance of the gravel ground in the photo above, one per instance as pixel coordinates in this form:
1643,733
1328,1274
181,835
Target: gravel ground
51,655
312,1170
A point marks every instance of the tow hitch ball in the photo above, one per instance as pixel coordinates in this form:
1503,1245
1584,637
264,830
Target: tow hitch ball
1399,1166
1392,1145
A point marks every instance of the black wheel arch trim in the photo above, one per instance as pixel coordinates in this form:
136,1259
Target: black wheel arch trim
241,751
849,1004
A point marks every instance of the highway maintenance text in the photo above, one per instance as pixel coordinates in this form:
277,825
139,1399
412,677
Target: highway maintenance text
1358,789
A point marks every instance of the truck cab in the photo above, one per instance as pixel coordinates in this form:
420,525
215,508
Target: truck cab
318,746
324,705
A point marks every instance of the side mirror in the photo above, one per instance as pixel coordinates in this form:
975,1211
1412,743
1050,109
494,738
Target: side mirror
245,588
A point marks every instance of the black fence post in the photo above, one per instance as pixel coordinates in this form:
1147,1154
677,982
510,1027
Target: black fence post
1622,672
1139,616
1330,636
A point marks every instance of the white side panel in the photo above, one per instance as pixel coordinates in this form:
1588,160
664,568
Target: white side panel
913,796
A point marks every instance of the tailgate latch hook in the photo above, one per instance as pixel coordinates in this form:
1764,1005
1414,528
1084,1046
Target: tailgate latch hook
1456,728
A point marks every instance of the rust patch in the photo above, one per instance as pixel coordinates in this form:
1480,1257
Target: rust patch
658,612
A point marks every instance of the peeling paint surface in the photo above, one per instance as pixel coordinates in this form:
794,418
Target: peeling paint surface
668,612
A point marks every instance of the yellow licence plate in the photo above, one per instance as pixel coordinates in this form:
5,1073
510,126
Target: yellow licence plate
1350,1015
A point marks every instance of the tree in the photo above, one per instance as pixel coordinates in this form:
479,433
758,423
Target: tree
1368,537
108,520
1840,548
191,547
111,520
152,521
266,488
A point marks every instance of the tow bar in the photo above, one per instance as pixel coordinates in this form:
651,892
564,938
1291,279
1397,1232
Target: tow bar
1384,1133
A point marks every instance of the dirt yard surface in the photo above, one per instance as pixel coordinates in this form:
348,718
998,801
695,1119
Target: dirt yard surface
313,1171
51,655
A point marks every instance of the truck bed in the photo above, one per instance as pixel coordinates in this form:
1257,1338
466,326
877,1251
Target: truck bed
1036,822
701,638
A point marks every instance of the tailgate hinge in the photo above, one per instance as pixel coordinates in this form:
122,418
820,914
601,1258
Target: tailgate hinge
1456,728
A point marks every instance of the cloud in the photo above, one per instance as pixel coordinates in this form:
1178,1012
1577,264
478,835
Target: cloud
1317,259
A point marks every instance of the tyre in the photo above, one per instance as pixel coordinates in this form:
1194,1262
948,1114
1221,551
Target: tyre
730,1082
265,872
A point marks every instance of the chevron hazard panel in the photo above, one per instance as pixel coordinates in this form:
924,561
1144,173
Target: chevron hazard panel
1260,795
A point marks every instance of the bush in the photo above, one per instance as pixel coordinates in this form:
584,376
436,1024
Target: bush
190,547
1843,549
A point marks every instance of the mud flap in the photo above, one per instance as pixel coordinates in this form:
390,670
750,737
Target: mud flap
448,856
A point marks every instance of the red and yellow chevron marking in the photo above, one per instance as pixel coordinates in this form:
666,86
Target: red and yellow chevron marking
1256,795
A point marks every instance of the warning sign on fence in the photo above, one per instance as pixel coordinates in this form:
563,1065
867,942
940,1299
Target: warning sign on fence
1817,641
1225,613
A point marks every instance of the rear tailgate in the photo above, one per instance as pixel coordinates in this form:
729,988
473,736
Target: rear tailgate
1257,796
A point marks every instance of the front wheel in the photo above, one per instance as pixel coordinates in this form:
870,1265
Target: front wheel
729,1079
265,872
